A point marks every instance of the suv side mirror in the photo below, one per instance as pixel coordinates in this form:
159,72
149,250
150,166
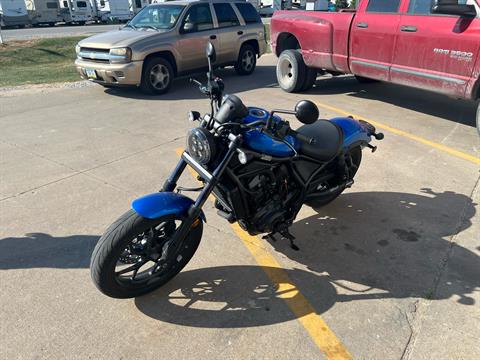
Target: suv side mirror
211,53
452,7
188,27
306,112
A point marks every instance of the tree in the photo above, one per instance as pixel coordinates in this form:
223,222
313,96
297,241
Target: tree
353,4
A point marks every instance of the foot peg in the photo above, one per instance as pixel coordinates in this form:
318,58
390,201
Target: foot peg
285,235
373,148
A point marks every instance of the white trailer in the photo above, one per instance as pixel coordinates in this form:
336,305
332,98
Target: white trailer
76,11
13,13
111,10
43,12
137,5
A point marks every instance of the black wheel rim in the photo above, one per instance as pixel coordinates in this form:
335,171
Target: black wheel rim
144,258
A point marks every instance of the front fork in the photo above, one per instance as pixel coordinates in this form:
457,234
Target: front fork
211,180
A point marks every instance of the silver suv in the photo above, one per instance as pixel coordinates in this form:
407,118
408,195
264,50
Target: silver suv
168,39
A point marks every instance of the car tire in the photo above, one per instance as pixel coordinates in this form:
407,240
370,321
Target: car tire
157,76
291,71
247,60
364,80
310,78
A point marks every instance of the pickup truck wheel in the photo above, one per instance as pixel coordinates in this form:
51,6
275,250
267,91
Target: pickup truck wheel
157,76
364,80
247,60
291,71
310,78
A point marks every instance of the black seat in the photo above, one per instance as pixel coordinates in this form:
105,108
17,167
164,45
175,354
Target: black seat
328,140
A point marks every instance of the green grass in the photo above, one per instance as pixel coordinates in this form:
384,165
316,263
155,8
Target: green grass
38,61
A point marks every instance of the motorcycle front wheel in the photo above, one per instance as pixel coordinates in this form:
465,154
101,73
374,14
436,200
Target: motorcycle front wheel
132,257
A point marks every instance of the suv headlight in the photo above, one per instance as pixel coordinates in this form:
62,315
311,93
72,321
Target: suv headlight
120,55
201,145
77,50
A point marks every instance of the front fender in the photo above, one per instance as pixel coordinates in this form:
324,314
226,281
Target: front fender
156,205
354,132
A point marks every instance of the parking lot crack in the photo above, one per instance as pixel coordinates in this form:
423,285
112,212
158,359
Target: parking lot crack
415,316
453,241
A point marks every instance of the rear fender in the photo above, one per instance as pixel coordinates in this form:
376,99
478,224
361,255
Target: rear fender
156,205
354,132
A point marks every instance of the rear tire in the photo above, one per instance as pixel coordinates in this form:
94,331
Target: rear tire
356,154
247,60
124,234
291,71
157,76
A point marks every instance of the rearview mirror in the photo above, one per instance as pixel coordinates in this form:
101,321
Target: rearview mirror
453,7
306,112
211,53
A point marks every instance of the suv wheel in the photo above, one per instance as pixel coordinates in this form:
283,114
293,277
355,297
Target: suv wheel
291,71
247,60
157,76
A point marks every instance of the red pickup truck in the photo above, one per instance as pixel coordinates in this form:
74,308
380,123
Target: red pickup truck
427,44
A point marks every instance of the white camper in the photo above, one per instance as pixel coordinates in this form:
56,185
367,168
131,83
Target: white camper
13,13
111,10
43,12
137,5
76,11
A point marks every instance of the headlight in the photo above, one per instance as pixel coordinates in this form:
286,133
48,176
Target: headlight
120,55
77,50
201,145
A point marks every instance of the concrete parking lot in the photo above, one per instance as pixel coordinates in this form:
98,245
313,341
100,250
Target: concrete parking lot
390,270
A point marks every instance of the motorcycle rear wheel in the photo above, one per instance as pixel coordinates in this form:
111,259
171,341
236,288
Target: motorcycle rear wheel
125,262
356,154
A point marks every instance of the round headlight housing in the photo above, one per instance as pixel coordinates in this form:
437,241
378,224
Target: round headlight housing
201,145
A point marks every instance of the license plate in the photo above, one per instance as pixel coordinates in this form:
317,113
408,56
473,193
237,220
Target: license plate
91,74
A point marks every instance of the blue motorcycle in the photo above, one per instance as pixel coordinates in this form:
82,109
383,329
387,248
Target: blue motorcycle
260,172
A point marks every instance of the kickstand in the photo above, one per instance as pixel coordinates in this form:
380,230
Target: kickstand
286,235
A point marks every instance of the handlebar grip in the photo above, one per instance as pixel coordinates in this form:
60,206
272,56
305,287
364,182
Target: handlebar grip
306,139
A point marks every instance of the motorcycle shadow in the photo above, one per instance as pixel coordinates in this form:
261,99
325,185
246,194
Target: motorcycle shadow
234,297
369,245
391,245
182,88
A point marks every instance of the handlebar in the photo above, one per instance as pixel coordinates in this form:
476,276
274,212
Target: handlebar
300,137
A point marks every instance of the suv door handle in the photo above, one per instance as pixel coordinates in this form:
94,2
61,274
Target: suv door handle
408,28
362,25
240,32
213,37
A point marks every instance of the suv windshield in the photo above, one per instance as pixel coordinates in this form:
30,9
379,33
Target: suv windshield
157,16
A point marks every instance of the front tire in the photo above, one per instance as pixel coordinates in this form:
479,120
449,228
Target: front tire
136,244
247,60
157,76
291,71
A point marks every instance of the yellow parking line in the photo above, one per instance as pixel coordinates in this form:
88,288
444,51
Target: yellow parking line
447,149
313,323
